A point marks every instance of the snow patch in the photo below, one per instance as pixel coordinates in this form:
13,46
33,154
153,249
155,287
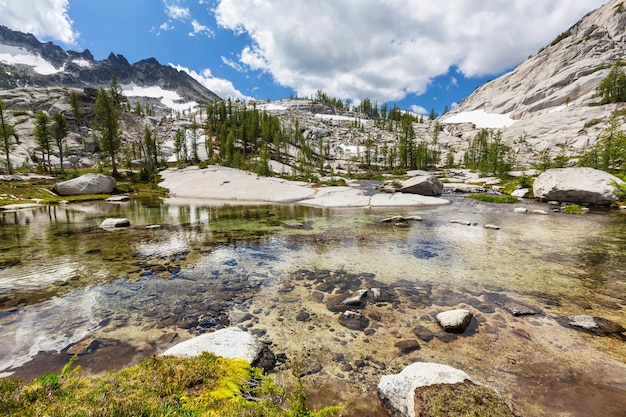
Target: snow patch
335,117
14,55
270,107
168,98
481,119
83,63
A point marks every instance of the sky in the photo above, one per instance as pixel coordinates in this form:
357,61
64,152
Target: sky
418,54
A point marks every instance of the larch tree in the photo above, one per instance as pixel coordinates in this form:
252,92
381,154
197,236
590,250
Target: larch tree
43,138
106,124
59,132
6,136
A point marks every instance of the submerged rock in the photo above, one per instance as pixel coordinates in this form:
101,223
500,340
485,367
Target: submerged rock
353,320
454,321
112,223
595,325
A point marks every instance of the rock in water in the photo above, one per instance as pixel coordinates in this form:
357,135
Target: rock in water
577,185
428,185
229,343
397,391
112,223
86,184
454,321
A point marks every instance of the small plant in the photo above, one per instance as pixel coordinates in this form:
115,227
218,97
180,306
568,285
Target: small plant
491,198
573,209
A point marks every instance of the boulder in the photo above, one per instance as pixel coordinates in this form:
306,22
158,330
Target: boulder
397,391
427,185
454,321
86,184
520,193
114,223
577,185
230,343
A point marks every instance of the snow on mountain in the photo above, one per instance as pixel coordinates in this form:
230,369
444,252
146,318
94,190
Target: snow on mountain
14,55
481,119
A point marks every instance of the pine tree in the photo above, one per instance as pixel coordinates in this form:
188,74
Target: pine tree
6,136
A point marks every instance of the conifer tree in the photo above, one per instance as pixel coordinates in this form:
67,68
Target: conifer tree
6,136
42,135
107,125
59,132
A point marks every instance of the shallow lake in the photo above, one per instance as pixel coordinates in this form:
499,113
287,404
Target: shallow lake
117,296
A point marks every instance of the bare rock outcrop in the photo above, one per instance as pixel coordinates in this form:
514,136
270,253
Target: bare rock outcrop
577,185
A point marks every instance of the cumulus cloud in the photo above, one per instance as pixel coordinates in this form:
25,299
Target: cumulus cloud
42,18
199,29
221,87
387,49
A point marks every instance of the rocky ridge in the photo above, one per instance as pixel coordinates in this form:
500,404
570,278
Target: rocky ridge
548,97
51,66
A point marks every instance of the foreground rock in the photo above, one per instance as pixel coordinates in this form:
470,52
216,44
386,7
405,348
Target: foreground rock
86,184
427,185
229,343
577,185
397,391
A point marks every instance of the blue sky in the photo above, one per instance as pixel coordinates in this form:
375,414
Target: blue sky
415,53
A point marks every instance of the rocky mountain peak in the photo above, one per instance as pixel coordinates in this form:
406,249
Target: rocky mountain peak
548,96
54,67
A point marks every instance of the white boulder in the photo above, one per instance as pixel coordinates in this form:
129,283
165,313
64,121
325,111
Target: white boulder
454,321
230,343
577,185
397,391
86,184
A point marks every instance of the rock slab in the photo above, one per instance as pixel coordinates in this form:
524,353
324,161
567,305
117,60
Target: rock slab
397,391
229,343
427,185
86,184
577,185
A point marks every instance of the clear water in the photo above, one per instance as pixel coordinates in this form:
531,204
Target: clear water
272,269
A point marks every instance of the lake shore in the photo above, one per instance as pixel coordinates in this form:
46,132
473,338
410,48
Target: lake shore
218,185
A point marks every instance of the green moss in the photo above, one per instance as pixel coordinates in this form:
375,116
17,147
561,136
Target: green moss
461,400
490,198
204,386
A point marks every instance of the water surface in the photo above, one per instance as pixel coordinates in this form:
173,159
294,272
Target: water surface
181,270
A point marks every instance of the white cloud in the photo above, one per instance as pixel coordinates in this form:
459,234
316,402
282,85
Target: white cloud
234,65
221,87
199,28
387,49
418,110
176,12
42,18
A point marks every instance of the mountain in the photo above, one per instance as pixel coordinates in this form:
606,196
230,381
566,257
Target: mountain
546,103
26,62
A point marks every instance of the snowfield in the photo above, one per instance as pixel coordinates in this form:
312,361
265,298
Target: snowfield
168,98
481,119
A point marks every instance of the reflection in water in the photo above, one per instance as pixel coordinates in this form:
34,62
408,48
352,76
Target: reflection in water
62,278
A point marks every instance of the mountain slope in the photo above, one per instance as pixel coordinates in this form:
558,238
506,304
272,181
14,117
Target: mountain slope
548,97
26,62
